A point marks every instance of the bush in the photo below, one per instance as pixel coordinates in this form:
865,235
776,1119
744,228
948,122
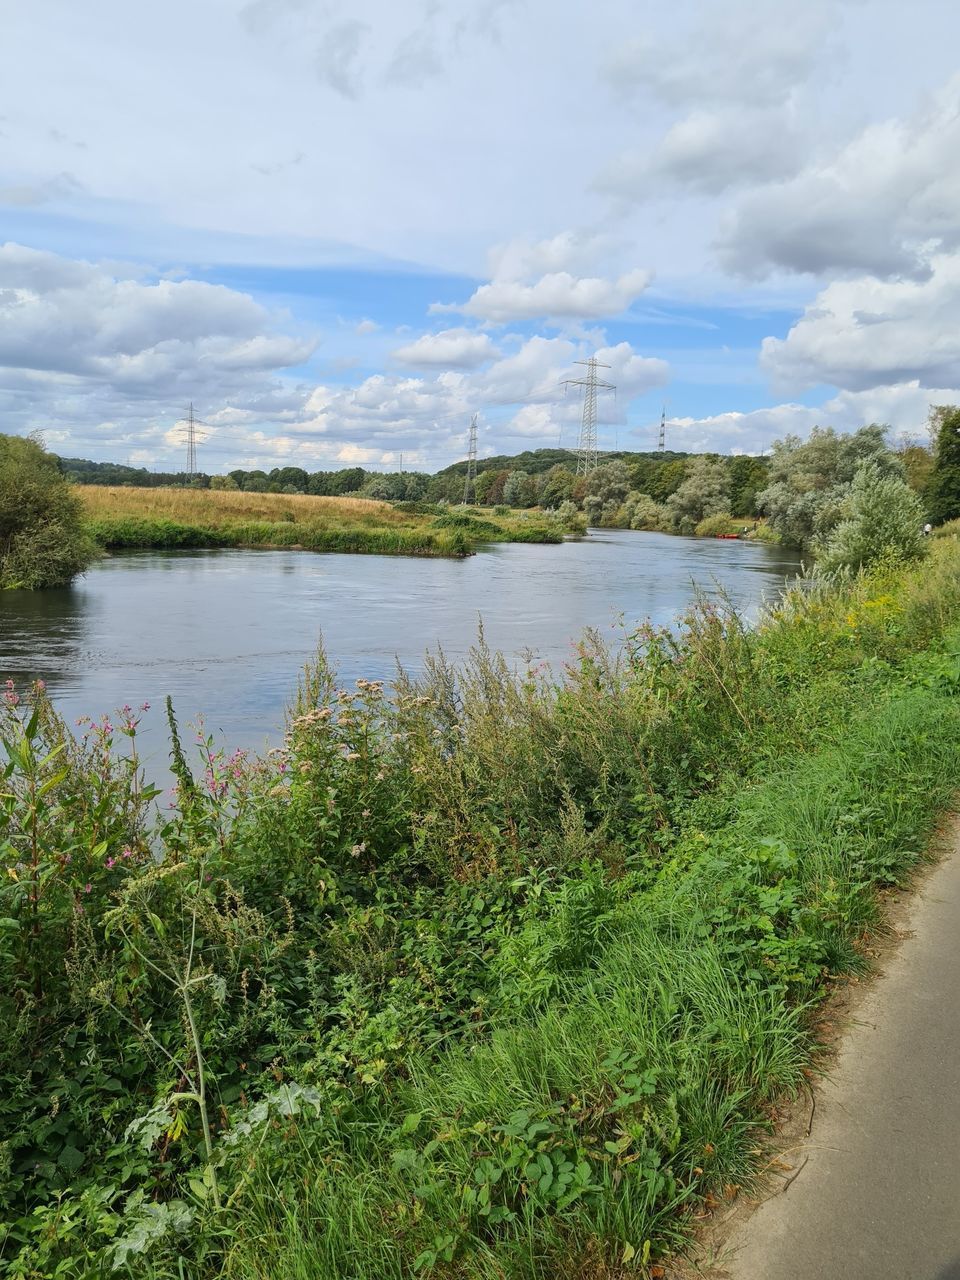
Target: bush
42,541
713,525
882,517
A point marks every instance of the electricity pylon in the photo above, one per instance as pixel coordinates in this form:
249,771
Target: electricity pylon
191,444
587,444
662,442
470,480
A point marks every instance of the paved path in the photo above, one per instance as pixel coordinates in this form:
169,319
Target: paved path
879,1196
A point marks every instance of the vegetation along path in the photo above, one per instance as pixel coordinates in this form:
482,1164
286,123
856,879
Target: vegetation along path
873,1192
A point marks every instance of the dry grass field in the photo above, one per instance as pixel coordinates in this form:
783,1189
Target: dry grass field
217,508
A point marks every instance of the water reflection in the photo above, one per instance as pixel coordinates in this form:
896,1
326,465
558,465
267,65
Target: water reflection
228,632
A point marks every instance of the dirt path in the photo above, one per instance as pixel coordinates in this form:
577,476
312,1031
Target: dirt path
873,1193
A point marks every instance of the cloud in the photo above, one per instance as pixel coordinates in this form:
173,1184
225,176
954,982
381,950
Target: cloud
729,52
415,60
865,333
451,348
524,259
337,55
555,296
106,356
366,326
882,204
26,195
708,152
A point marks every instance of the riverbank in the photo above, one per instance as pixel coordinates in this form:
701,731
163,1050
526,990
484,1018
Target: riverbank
168,519
490,976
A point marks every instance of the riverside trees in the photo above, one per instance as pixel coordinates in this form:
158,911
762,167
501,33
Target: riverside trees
42,541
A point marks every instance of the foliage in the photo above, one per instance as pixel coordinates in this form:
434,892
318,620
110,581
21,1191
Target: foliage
607,486
810,479
519,490
639,511
42,542
492,973
881,516
943,492
704,492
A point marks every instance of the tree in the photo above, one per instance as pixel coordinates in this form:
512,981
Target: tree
704,492
519,490
881,516
640,511
557,486
42,539
943,490
809,480
607,486
748,477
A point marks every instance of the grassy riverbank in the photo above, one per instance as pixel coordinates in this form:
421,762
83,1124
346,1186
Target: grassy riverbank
487,976
165,519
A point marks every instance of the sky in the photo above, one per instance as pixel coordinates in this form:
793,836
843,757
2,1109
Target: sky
340,228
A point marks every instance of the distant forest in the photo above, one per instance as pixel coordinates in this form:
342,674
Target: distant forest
535,477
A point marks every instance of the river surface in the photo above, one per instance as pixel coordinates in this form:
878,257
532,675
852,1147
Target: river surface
227,632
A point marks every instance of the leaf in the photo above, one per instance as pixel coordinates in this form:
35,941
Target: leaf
628,1252
70,1158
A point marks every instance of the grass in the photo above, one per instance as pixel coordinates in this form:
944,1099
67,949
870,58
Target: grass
176,518
497,974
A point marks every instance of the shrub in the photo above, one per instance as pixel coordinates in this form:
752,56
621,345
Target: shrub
42,541
882,516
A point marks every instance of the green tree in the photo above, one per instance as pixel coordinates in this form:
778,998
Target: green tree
943,490
607,487
42,540
809,480
519,490
704,492
748,477
881,516
557,486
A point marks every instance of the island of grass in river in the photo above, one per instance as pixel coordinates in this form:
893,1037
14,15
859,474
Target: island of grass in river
164,519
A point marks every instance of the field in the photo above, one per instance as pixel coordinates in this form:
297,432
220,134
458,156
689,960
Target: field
180,518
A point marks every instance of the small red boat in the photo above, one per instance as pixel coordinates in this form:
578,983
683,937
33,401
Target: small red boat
734,536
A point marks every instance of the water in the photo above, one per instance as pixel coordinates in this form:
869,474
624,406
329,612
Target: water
227,632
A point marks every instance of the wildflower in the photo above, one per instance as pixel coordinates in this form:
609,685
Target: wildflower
110,863
88,887
365,814
127,853
357,849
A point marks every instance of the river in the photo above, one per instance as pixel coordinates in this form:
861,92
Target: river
227,632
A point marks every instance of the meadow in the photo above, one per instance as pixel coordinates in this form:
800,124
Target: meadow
166,519
488,975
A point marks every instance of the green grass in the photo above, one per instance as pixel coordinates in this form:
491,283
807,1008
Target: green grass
537,951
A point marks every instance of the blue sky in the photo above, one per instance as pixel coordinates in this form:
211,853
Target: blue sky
341,229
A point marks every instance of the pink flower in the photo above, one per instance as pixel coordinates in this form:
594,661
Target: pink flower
110,862
127,853
87,888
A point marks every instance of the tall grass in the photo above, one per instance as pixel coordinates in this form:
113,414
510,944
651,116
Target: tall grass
164,519
497,972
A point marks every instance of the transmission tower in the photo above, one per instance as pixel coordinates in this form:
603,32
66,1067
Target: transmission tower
191,444
587,445
662,442
470,480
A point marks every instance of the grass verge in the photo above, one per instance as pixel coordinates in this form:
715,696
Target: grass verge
493,974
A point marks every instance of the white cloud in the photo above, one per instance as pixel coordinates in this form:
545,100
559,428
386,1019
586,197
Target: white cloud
554,296
881,204
366,326
337,56
708,152
521,259
729,52
450,348
864,333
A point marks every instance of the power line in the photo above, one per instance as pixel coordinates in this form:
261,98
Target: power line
587,444
470,480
